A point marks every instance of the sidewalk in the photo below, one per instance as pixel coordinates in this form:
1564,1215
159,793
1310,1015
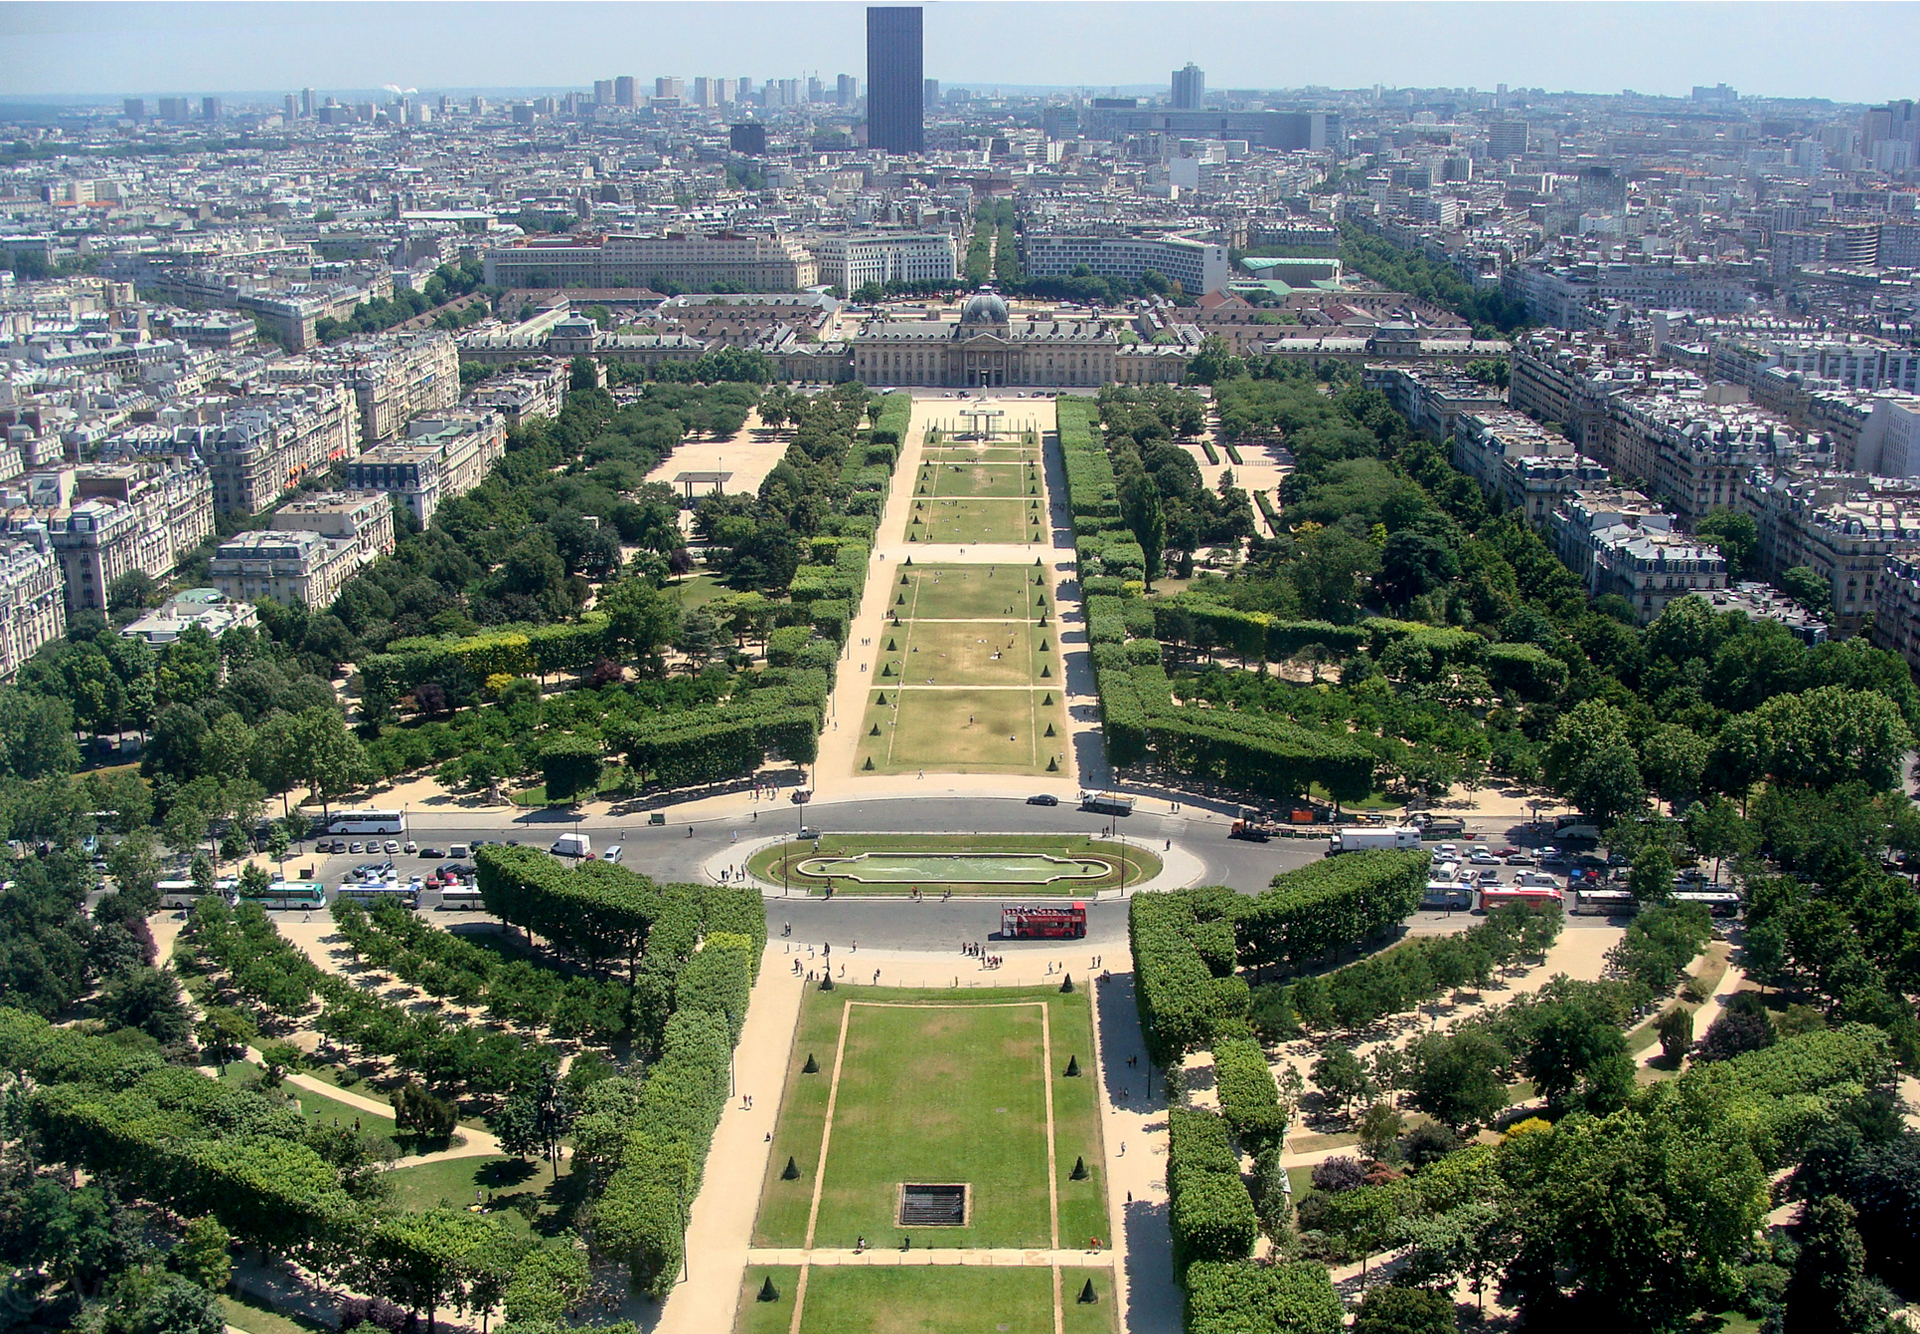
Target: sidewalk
723,1214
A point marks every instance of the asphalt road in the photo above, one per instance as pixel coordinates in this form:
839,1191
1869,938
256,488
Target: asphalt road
680,850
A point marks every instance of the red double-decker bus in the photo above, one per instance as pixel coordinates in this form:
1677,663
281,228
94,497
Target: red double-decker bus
1019,922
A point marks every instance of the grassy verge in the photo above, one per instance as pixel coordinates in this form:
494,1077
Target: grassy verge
250,1313
524,1195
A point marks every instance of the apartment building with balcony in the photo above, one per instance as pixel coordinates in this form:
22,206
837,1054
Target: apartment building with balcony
1432,398
1198,266
1622,544
33,609
1525,466
443,455
106,520
266,443
393,378
518,395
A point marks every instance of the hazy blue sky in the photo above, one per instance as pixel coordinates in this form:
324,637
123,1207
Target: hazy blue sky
1849,52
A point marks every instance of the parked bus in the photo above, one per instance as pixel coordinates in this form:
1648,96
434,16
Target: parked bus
296,894
1575,826
1448,894
462,900
1495,895
1718,903
1019,922
367,894
1604,903
184,893
368,822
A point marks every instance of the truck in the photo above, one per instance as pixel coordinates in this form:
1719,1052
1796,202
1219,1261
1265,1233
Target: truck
1356,840
572,845
1252,825
1109,803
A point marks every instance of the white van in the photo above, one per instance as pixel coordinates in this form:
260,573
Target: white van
572,845
614,853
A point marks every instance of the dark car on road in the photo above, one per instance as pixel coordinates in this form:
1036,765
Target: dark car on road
1043,799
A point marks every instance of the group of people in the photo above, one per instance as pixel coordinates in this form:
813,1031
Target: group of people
914,895
975,950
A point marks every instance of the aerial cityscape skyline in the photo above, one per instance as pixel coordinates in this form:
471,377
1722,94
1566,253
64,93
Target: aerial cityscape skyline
1062,669
1786,50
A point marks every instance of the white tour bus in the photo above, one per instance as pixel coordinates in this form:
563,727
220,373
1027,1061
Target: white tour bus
368,822
184,893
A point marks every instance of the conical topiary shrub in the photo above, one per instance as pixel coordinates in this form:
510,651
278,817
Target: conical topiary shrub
1053,766
1088,1296
1073,1062
1045,671
909,560
1049,732
891,646
1036,560
887,670
868,766
826,983
1043,643
1066,986
812,1067
791,1172
1079,1172
905,580
881,698
1047,700
769,1293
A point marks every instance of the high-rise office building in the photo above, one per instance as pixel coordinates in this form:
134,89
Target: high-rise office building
846,89
307,105
744,92
623,91
895,84
603,92
1189,88
134,108
929,93
289,108
667,86
174,109
210,108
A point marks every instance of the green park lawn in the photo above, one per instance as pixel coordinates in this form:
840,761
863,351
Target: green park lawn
965,653
969,593
914,1300
754,1316
935,1091
1134,863
244,1311
318,1107
1000,451
954,480
505,1184
962,730
986,522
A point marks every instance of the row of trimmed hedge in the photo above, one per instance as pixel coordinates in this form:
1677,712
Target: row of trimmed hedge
1255,752
700,945
1328,906
1413,972
1209,1211
1183,952
461,664
1297,1297
180,1139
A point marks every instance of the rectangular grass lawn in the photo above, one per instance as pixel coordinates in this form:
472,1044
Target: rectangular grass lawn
1000,451
964,653
969,592
955,479
915,1300
962,730
987,522
939,1093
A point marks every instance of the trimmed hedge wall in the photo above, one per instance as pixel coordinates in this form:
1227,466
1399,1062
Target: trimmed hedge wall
1330,905
1209,1210
1249,1098
1182,967
1239,1296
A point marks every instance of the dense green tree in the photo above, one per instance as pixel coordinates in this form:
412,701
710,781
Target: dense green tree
1826,1294
1455,1077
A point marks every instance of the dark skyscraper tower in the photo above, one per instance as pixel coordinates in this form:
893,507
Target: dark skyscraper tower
1189,88
894,81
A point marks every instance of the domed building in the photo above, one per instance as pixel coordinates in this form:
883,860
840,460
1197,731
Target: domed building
989,348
